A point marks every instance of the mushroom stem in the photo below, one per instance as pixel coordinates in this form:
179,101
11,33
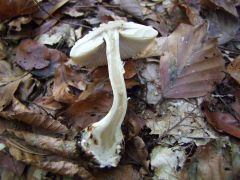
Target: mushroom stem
103,139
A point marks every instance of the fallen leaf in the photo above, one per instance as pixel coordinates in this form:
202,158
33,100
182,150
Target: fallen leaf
191,64
7,92
82,113
223,121
55,166
7,162
228,6
37,120
49,9
68,85
234,69
133,124
126,172
181,119
34,173
136,152
16,24
46,26
12,8
221,24
212,161
167,161
54,145
59,33
31,55
132,7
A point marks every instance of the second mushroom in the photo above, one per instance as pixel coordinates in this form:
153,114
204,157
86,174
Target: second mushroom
109,43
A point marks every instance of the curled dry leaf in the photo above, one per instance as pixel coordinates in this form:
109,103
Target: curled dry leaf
58,166
12,8
228,6
50,8
133,124
133,7
65,80
223,121
54,145
11,164
212,161
17,23
126,172
7,92
59,33
137,153
37,120
90,110
234,69
9,82
191,64
31,55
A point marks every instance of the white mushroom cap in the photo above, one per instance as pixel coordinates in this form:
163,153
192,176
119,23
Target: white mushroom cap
134,38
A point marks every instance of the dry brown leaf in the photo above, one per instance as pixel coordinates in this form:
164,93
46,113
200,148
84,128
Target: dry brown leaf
212,161
191,64
54,145
50,8
132,7
229,6
234,69
137,153
12,8
126,172
133,124
7,92
9,163
90,110
31,55
46,26
16,24
37,120
58,166
65,80
223,121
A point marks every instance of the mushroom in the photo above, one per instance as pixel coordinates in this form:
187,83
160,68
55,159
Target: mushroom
103,140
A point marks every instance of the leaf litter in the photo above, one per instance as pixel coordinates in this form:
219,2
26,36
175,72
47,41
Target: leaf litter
183,113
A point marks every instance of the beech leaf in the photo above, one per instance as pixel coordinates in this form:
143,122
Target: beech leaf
191,64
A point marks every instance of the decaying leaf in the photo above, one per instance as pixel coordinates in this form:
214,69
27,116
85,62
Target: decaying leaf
234,69
90,110
126,172
221,24
12,8
191,63
167,161
228,6
60,33
65,81
7,92
32,55
50,8
213,161
223,121
132,7
54,145
181,119
37,120
17,23
9,163
136,152
58,166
